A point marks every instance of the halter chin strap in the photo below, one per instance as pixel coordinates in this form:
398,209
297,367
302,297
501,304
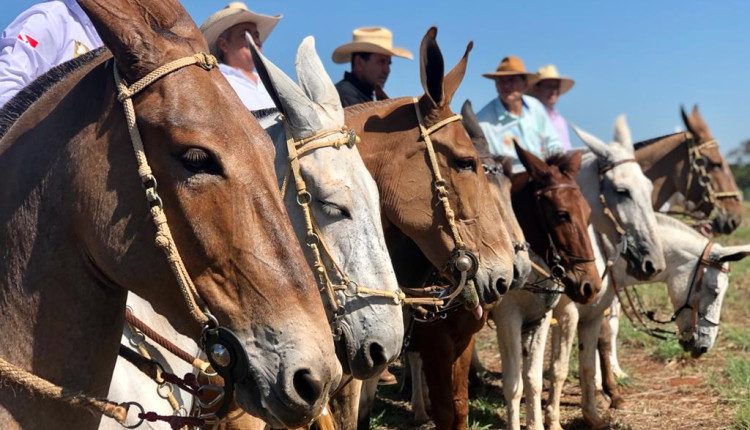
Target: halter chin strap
463,261
313,236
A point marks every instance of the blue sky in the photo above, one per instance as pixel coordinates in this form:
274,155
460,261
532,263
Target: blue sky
640,58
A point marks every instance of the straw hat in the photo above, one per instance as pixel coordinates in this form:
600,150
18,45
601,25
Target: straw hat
376,40
509,66
550,72
235,13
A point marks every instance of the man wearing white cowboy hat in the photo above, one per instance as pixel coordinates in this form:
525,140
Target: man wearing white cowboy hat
369,53
225,33
548,88
513,114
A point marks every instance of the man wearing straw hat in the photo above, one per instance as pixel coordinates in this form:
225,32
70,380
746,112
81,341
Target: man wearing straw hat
225,33
369,53
513,114
548,88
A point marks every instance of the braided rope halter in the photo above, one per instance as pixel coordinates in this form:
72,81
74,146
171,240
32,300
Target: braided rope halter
313,236
225,351
461,260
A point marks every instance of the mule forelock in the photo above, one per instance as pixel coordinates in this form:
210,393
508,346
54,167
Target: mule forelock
29,95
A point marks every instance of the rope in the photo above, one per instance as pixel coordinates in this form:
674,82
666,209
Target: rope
164,239
442,192
196,362
36,385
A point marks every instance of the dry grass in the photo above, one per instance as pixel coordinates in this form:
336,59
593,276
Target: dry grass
666,389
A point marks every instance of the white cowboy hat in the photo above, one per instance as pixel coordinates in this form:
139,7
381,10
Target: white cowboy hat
550,72
235,13
376,40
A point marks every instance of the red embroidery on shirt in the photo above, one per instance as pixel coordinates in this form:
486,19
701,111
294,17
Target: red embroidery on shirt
28,40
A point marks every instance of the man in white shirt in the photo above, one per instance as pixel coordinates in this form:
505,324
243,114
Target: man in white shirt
225,33
40,38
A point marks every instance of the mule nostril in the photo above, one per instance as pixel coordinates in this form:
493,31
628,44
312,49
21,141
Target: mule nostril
307,386
648,267
586,290
501,285
704,349
377,355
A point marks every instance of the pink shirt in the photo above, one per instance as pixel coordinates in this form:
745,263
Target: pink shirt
561,127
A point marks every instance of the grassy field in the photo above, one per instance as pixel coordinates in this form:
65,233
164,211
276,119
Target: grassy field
667,389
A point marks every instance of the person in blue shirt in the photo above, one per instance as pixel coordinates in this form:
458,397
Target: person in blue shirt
515,115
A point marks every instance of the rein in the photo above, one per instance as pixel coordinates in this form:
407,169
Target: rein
696,283
313,236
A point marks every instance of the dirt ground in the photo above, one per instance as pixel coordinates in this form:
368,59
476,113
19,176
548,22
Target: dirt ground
667,390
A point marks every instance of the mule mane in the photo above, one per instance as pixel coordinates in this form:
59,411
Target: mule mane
649,142
262,113
677,224
558,159
362,107
25,98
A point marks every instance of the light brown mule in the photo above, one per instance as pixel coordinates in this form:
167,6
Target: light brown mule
673,164
76,234
415,225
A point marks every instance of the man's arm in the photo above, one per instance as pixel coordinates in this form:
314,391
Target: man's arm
28,49
552,142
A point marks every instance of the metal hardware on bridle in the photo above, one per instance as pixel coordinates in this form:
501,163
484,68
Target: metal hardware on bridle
462,261
538,287
225,351
698,162
696,284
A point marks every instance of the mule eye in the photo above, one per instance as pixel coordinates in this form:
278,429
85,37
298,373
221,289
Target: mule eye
197,160
334,211
563,216
623,192
465,164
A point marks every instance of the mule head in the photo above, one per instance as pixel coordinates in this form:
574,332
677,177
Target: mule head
481,228
499,171
627,193
214,168
555,216
729,204
346,209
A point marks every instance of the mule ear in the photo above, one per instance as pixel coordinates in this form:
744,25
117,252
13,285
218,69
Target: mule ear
597,146
571,163
537,168
456,75
622,134
140,33
315,82
432,67
686,119
286,95
729,253
471,124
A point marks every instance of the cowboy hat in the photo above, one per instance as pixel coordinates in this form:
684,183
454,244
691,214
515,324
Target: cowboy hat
549,72
376,40
235,13
509,66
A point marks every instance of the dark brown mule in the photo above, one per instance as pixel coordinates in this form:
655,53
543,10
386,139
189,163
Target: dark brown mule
416,229
678,163
76,234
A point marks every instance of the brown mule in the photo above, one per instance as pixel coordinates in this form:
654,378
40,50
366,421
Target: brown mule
691,163
76,234
415,225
